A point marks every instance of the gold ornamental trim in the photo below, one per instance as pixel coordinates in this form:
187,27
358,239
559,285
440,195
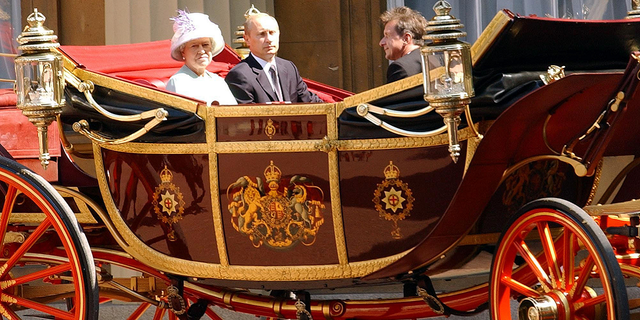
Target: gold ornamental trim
596,182
379,92
154,259
272,110
285,146
488,36
267,146
334,187
401,143
216,209
7,283
156,148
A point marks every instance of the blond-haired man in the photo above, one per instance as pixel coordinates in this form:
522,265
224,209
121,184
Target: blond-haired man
263,77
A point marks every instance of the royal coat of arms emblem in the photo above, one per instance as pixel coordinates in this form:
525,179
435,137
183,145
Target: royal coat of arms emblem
282,215
393,199
168,202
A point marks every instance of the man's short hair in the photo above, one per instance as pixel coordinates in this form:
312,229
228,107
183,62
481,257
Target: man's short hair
408,21
250,18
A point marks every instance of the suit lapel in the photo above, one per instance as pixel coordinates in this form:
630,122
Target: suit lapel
284,75
261,77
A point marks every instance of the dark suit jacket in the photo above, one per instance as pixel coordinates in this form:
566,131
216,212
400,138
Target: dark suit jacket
249,84
407,65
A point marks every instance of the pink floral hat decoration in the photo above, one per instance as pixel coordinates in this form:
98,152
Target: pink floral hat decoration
189,26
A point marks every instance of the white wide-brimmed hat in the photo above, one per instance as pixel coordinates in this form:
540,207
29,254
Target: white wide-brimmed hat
190,26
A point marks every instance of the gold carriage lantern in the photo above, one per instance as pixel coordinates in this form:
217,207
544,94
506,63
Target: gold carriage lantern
446,68
39,78
635,10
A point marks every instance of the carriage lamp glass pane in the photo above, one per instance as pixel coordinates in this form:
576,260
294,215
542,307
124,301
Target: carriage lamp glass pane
446,74
36,83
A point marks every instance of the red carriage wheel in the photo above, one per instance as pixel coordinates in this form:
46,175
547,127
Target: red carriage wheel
147,290
27,267
556,262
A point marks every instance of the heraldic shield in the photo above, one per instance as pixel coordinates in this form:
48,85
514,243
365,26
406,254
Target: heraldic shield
280,216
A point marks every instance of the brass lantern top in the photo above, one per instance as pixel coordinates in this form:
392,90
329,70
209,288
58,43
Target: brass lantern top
35,36
635,10
443,26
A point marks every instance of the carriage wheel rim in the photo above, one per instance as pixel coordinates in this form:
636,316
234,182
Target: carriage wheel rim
7,299
504,279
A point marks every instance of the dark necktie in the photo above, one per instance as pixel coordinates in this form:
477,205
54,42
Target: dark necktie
276,83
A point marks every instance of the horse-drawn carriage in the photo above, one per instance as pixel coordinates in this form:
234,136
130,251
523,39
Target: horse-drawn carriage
263,208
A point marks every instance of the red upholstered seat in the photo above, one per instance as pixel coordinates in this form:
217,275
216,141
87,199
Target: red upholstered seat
150,64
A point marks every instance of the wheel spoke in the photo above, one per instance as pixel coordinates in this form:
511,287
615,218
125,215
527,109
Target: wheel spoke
519,287
579,284
139,311
8,313
568,260
31,240
57,313
533,263
7,209
590,302
159,314
38,275
550,252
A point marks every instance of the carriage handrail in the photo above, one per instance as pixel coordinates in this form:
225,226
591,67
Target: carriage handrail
82,127
157,115
363,111
367,110
87,87
8,55
398,114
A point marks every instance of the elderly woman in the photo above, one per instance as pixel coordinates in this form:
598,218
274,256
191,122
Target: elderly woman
196,41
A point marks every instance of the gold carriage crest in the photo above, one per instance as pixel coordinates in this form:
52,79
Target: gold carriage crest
168,202
280,216
393,199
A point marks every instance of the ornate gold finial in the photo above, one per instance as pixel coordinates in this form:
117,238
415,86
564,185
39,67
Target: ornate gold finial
272,173
442,8
243,50
391,171
635,10
554,73
166,175
251,12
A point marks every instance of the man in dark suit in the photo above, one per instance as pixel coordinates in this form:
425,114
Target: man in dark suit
262,77
403,31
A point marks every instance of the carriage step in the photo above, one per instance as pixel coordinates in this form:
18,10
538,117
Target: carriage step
628,208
